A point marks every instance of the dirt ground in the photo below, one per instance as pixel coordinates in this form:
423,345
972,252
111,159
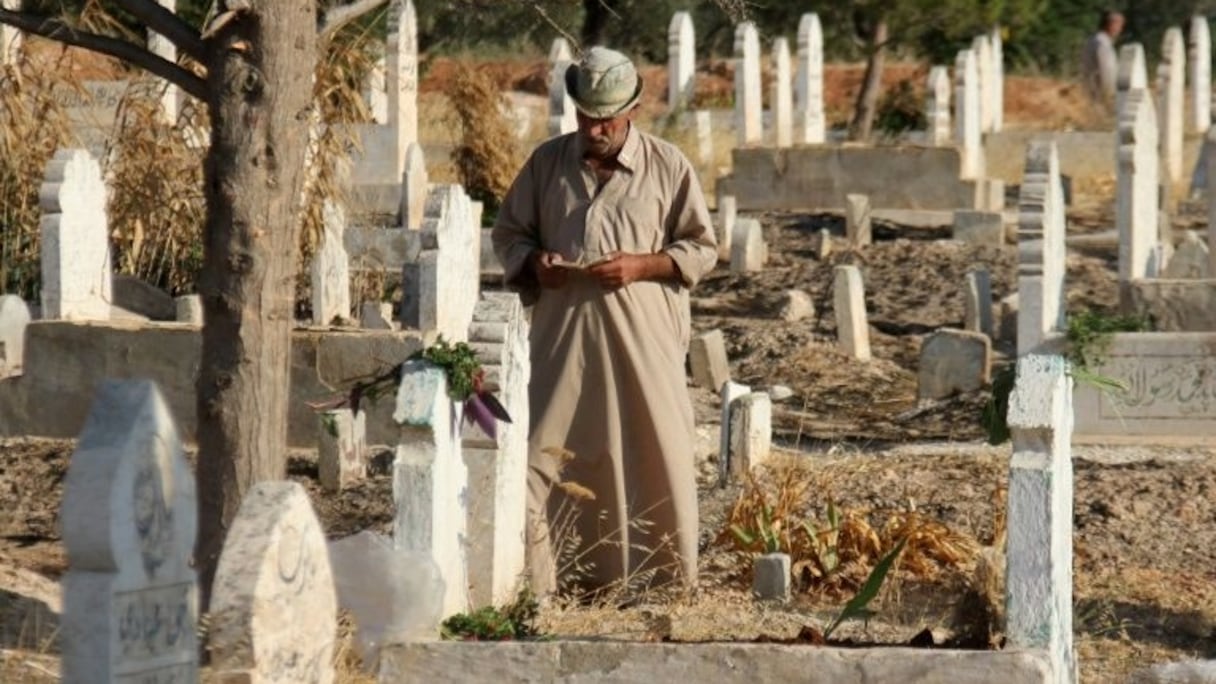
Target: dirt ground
1145,537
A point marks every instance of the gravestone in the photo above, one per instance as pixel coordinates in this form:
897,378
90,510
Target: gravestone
747,250
498,468
823,247
977,302
10,37
165,49
1041,249
796,305
132,294
1136,197
413,188
978,227
849,300
375,92
441,274
563,117
1038,579
331,270
75,239
808,89
967,132
1171,82
1133,74
937,107
748,102
726,217
681,61
1211,188
14,317
783,114
953,362
274,613
1199,61
983,69
1190,259
707,357
341,448
751,433
729,393
129,520
189,309
703,128
858,220
430,480
998,79
402,61
376,316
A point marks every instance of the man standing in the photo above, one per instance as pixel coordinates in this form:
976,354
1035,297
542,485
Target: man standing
1099,63
603,232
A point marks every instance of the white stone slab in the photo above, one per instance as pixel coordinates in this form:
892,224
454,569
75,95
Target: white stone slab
1133,74
967,122
747,250
1041,248
274,613
707,357
1136,199
751,433
681,61
849,299
858,220
413,188
953,362
724,225
811,128
730,392
341,448
782,98
10,37
430,480
563,117
1171,89
937,107
977,302
1199,63
997,43
14,317
978,227
331,270
76,278
129,521
983,68
442,269
402,63
1039,556
748,88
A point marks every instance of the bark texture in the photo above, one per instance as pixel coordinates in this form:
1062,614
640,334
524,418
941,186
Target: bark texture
867,98
260,71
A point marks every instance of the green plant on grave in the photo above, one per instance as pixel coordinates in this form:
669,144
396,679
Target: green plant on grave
765,532
900,110
1088,337
858,606
825,542
516,620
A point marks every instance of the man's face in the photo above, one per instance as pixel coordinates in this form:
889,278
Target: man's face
603,138
1115,26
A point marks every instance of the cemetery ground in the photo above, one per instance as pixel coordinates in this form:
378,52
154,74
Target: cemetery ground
1145,527
853,435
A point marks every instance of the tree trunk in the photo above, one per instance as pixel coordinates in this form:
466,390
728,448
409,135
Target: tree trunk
867,98
260,81
595,20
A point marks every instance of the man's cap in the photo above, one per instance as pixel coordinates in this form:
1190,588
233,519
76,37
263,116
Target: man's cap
603,84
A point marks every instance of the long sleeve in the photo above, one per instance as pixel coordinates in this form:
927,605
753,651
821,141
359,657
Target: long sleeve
689,227
516,232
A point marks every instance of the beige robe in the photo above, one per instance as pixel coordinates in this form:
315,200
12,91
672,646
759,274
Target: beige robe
608,380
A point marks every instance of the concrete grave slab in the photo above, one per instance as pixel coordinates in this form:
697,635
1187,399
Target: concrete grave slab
953,362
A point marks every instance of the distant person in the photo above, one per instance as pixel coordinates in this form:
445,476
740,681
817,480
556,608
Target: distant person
1100,63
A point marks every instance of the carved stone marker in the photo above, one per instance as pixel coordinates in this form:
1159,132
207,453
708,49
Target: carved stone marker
707,356
341,448
808,87
273,608
748,87
129,520
75,239
14,316
849,300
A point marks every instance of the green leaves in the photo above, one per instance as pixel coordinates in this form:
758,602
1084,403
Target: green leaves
459,362
857,606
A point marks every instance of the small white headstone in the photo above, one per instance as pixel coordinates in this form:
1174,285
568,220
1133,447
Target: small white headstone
747,250
1041,250
983,63
977,302
748,88
729,393
1171,88
413,188
808,89
1189,261
129,519
751,432
783,106
441,283
707,356
858,221
341,448
849,300
331,270
967,124
1133,74
76,280
824,245
1199,59
938,107
681,60
953,361
563,117
998,79
1136,198
274,613
797,306
402,64
14,316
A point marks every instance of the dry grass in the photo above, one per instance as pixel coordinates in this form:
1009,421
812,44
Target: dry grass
487,156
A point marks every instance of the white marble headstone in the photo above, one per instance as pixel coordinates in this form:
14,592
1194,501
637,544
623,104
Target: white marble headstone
967,122
331,270
849,301
938,107
748,88
14,317
808,89
441,275
681,61
997,43
1171,88
274,613
563,118
783,114
413,188
402,67
129,520
1199,61
1133,74
1136,198
1041,250
76,278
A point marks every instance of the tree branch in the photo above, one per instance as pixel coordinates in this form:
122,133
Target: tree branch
341,15
57,29
168,24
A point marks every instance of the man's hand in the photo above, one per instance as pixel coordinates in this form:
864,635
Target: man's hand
620,269
548,275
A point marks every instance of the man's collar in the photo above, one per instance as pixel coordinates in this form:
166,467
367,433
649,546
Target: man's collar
627,156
